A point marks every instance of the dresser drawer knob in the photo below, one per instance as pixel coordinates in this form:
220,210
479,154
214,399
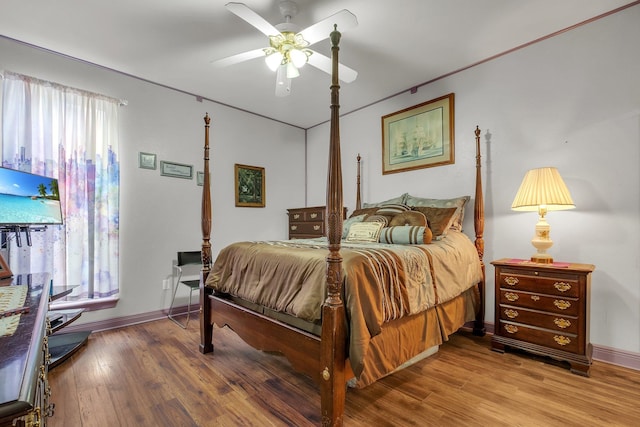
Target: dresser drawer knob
294,227
562,286
314,215
535,297
562,304
316,227
511,296
561,339
511,281
512,329
562,323
296,216
511,314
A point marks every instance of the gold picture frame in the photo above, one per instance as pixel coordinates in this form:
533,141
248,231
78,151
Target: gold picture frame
419,137
250,186
5,271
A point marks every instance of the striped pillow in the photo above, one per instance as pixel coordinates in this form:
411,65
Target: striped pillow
406,235
392,210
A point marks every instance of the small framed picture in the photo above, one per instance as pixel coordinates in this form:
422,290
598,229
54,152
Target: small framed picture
176,170
146,160
200,178
249,182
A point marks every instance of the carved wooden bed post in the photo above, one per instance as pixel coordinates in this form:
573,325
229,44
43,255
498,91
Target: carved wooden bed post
333,342
478,222
206,328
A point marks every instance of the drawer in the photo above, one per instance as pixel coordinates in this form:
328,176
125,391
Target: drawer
556,322
551,339
307,228
540,282
565,306
308,214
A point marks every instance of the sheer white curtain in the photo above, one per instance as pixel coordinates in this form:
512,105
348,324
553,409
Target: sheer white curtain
71,135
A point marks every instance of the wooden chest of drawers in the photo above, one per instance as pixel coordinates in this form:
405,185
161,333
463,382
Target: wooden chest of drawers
544,309
310,222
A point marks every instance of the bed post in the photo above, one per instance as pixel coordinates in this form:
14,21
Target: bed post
478,222
333,341
206,327
358,198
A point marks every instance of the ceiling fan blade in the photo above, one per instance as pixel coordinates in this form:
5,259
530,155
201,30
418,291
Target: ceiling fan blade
321,30
243,11
240,57
323,63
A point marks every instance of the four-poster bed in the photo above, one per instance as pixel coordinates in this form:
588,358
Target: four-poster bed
324,353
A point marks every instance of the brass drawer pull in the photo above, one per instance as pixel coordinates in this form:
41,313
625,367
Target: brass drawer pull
511,296
316,227
294,227
561,339
296,216
313,215
562,286
562,323
512,329
535,297
562,304
511,314
511,281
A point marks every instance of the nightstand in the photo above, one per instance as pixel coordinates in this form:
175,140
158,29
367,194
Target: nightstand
544,309
306,223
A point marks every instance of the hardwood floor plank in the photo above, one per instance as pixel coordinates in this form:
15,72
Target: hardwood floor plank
152,374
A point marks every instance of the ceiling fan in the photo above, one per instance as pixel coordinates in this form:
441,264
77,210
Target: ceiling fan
288,49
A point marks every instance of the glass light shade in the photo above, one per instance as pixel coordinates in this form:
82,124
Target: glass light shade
292,71
273,60
298,57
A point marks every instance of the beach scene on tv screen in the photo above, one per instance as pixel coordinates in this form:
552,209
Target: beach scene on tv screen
28,199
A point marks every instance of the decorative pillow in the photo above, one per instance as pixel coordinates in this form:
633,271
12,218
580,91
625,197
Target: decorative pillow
399,199
458,202
378,218
440,219
409,218
365,211
347,223
364,232
406,235
392,210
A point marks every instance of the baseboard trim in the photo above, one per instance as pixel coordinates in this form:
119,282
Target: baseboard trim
626,359
121,322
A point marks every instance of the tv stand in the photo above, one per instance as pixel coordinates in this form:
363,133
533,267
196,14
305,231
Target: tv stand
64,345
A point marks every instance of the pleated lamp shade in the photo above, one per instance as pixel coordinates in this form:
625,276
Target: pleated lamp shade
544,188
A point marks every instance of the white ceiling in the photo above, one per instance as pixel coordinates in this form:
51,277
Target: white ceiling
396,45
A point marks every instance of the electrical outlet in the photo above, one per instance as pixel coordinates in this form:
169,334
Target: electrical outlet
166,284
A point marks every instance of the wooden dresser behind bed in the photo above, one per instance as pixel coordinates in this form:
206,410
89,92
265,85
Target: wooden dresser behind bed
309,222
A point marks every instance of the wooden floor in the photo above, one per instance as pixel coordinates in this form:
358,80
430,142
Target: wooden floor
153,375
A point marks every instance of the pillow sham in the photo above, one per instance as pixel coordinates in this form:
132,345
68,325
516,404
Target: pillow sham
458,202
409,218
399,199
377,218
440,219
406,235
346,224
364,232
364,211
392,209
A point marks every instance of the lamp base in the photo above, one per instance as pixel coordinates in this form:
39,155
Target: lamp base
542,259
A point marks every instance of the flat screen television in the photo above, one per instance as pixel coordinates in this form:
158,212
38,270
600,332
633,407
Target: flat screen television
28,199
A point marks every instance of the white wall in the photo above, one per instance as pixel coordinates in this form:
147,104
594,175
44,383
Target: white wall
572,101
159,215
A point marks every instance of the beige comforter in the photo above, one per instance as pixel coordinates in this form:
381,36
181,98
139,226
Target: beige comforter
382,282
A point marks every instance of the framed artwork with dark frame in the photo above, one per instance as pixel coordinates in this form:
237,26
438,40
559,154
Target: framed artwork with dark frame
250,185
146,160
5,272
419,137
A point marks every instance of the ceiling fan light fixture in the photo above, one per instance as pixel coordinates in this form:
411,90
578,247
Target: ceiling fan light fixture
292,71
273,59
298,57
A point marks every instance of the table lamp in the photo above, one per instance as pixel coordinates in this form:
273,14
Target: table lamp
542,190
